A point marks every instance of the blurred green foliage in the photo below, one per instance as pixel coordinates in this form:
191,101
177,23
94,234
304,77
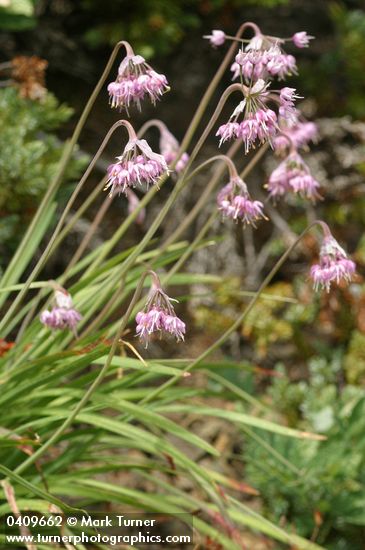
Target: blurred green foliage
316,489
29,154
338,82
16,15
155,26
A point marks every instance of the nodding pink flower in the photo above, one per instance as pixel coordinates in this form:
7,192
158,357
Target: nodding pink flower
259,122
169,147
300,134
333,266
135,81
234,202
228,131
133,203
137,165
217,38
293,176
287,109
263,58
158,316
301,39
62,315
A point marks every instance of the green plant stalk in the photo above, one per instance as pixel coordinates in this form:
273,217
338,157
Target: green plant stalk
210,90
236,323
57,180
49,248
39,452
183,147
195,211
113,301
180,183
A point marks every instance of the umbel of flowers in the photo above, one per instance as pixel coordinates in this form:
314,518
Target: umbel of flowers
63,315
234,201
264,115
137,165
334,265
136,81
158,316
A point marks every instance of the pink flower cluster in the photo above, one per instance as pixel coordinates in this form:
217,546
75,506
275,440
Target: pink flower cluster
257,63
259,123
62,315
300,134
135,81
333,266
159,317
234,202
258,126
287,109
137,165
169,147
293,176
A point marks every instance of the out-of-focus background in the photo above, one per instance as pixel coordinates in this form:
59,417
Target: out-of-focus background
309,351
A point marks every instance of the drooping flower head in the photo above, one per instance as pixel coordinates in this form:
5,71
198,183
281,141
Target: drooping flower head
217,38
136,80
299,132
293,176
158,316
260,123
169,147
63,315
333,265
137,165
234,202
263,58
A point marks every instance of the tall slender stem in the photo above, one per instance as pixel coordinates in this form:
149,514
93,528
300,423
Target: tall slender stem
57,180
48,250
218,343
39,452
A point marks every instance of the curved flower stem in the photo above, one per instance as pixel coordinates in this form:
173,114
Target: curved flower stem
57,179
35,301
202,201
174,194
48,250
234,325
292,147
153,122
227,92
113,301
39,452
183,147
210,90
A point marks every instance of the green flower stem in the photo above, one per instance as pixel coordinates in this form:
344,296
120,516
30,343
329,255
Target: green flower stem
89,234
20,286
112,304
66,156
179,185
218,343
184,145
210,90
39,452
48,250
